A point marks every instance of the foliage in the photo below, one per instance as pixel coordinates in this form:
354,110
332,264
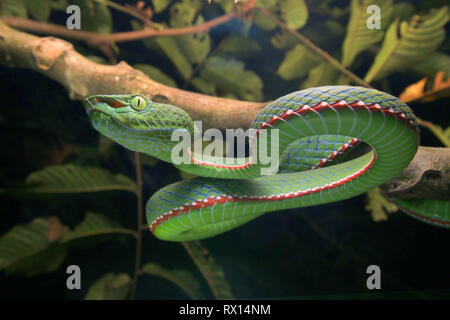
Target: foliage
110,287
228,62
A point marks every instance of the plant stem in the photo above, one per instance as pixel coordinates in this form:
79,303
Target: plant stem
140,214
125,10
316,49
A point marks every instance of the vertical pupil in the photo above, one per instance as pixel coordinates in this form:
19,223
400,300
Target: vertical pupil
138,102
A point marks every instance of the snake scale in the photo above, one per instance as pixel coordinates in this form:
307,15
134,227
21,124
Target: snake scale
316,128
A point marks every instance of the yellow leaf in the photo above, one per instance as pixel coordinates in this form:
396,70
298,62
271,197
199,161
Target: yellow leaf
379,206
413,91
417,92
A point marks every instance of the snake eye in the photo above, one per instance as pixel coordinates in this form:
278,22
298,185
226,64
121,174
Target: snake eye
138,103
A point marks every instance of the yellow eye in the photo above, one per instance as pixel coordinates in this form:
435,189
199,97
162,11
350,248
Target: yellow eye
138,103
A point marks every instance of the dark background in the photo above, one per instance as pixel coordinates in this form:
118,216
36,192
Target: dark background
317,252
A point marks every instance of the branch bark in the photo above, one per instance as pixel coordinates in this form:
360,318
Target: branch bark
58,60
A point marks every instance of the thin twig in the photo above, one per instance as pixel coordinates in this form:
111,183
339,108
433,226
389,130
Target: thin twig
316,49
89,37
140,214
126,10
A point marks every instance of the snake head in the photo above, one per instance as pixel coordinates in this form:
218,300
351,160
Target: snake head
135,121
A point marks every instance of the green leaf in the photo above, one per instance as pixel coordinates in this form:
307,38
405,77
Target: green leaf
95,16
182,278
70,178
437,61
294,13
263,22
13,8
168,47
160,5
402,11
211,270
418,39
359,37
297,63
156,74
96,225
27,250
195,47
323,74
60,5
110,287
226,5
207,87
240,46
267,4
41,245
229,76
39,10
283,40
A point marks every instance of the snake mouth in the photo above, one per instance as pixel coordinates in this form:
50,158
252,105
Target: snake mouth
97,103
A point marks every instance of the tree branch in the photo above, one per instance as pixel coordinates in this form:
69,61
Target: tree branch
82,77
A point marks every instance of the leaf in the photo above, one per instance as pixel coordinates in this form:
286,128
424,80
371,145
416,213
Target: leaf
418,39
267,4
110,287
95,224
226,5
39,10
41,245
437,61
156,74
204,86
182,278
70,178
160,5
402,11
263,22
195,47
27,250
294,13
211,270
229,76
323,74
13,8
379,206
283,40
297,63
416,92
240,46
359,37
168,47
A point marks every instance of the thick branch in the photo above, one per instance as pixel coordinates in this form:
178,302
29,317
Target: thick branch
82,77
427,176
58,60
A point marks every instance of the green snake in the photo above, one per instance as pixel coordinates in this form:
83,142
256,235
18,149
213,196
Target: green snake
316,127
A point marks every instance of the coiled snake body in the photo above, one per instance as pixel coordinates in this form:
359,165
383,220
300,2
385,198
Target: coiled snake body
316,127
